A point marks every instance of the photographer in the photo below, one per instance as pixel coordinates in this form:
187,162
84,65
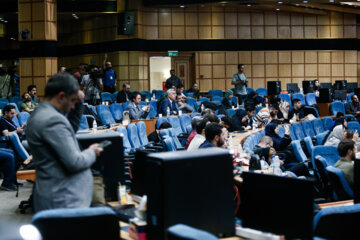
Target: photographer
92,86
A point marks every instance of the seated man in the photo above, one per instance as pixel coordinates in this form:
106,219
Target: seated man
124,94
194,122
169,103
297,110
346,150
7,126
215,135
265,148
32,91
154,136
354,107
184,107
27,106
180,90
135,111
7,162
195,90
200,136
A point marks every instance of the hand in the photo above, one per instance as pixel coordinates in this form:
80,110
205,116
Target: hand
287,129
95,147
148,108
23,126
248,127
356,136
81,96
19,130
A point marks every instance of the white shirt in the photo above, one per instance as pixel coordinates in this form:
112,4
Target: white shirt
196,142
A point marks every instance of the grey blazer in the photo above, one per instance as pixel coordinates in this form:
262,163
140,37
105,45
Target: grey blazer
63,176
136,113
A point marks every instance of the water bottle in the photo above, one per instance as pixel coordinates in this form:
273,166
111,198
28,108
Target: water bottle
266,102
254,125
168,111
94,126
202,107
275,163
153,96
230,141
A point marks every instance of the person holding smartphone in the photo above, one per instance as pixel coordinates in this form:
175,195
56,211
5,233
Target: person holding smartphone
7,126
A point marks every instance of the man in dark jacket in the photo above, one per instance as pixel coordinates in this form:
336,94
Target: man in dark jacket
354,107
124,95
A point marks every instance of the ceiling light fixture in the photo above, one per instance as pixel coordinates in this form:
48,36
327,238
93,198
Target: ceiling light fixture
297,4
331,0
280,2
278,9
249,5
305,1
182,6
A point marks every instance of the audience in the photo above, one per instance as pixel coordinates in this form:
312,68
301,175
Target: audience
7,162
27,105
265,148
135,111
227,101
169,103
227,123
154,136
124,94
181,105
195,89
354,107
346,150
215,135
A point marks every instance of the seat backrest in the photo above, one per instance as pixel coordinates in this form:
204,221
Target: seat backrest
320,137
262,92
336,107
106,96
16,121
124,105
310,99
4,100
215,92
83,123
285,97
281,131
339,222
169,144
141,128
330,153
159,94
309,144
349,96
354,126
298,151
298,130
116,111
23,117
189,94
93,108
185,121
164,132
77,223
105,114
133,136
216,98
339,183
123,131
308,129
234,100
18,147
195,115
173,135
175,123
322,174
114,96
327,122
249,90
292,133
203,99
318,126
159,121
299,96
147,94
14,99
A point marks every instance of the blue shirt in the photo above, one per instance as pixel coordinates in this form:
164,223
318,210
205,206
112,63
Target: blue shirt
207,144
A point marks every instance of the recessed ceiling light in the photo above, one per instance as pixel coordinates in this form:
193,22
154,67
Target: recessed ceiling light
5,21
182,6
280,2
331,0
278,9
249,5
305,1
297,4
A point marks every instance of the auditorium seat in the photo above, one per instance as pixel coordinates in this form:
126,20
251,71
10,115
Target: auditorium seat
153,103
285,97
106,96
147,94
298,151
262,92
189,94
4,100
127,146
327,122
281,131
320,137
230,112
15,99
195,115
298,131
216,92
193,103
299,96
336,107
292,133
203,99
16,107
175,123
216,98
318,126
169,144
116,111
349,96
354,126
249,90
23,117
159,94
330,153
308,129
185,122
310,99
340,185
159,121
105,114
124,105
133,136
83,123
234,100
309,145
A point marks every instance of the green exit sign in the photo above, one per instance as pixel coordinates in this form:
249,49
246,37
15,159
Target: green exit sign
173,53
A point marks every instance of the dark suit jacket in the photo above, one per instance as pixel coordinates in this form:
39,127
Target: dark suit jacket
351,109
121,97
165,104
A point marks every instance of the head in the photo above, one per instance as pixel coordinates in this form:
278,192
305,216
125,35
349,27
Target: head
9,112
207,111
348,133
194,122
200,128
212,118
226,121
241,68
272,130
346,149
171,93
251,111
195,86
26,97
284,107
32,90
172,72
317,83
62,91
126,87
179,98
229,94
180,89
215,133
354,98
108,65
62,69
273,110
296,103
340,115
266,142
136,98
164,125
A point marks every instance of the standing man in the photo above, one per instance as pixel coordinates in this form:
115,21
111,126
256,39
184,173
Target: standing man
63,176
109,78
173,81
134,110
169,102
32,91
124,95
240,81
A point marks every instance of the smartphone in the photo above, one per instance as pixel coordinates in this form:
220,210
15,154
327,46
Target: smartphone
104,144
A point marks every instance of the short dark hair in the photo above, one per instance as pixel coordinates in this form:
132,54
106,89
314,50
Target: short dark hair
250,108
8,108
61,82
134,95
295,100
349,134
194,122
212,118
165,125
212,130
344,146
201,125
339,114
240,65
30,87
226,120
207,111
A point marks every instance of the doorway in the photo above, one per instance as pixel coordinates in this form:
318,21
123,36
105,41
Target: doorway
159,71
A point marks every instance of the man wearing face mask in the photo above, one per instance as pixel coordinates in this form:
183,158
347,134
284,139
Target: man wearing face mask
109,78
